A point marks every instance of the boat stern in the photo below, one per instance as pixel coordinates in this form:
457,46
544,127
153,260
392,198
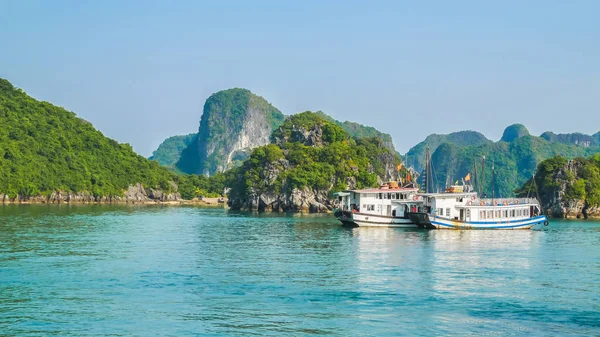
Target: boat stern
345,217
420,219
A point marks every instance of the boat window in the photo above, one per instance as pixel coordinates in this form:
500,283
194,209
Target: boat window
490,214
525,212
379,196
440,211
498,214
379,208
447,211
506,213
468,212
394,196
513,213
481,214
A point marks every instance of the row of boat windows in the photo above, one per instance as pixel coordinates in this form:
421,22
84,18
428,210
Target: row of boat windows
371,207
392,196
507,213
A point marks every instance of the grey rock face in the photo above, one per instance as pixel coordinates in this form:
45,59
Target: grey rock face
233,122
135,193
558,206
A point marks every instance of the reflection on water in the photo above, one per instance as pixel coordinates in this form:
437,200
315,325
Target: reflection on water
177,271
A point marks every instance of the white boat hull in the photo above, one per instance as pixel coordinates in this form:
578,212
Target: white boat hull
441,223
371,220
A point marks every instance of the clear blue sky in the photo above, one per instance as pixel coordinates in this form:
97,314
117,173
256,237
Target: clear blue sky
140,71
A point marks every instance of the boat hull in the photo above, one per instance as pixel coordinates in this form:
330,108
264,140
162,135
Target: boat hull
371,220
441,223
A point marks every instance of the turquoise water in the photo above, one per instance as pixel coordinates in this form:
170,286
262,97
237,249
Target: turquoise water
176,271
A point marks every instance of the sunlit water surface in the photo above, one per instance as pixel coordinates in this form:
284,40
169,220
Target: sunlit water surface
177,271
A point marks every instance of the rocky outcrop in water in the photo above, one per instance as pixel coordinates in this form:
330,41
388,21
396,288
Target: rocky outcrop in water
567,188
309,158
134,194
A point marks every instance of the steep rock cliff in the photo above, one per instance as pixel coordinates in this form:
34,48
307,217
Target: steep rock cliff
567,188
309,159
233,122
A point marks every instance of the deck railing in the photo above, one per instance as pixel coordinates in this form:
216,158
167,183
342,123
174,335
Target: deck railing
502,201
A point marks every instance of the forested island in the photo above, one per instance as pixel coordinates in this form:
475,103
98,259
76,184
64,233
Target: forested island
48,154
567,188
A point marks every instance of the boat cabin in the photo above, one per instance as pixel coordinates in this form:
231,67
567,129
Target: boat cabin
384,201
468,207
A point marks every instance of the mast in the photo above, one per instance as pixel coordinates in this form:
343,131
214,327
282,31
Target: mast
428,176
482,187
493,183
475,183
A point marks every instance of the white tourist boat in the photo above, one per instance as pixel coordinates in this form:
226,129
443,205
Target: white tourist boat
460,208
387,206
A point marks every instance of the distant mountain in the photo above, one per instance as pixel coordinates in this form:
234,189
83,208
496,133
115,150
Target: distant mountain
233,122
357,130
416,155
514,158
578,139
169,151
514,132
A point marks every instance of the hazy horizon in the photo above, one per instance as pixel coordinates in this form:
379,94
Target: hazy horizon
141,71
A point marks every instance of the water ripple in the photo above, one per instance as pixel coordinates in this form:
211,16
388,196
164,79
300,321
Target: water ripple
174,271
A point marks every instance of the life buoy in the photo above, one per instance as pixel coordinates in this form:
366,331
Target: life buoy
482,203
415,198
545,223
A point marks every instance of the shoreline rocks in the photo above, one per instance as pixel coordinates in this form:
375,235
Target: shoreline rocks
135,194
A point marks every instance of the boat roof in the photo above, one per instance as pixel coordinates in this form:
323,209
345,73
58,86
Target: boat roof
447,194
384,190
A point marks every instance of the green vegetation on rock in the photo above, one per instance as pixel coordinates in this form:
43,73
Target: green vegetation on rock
416,155
309,151
169,151
567,186
45,148
357,130
514,132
